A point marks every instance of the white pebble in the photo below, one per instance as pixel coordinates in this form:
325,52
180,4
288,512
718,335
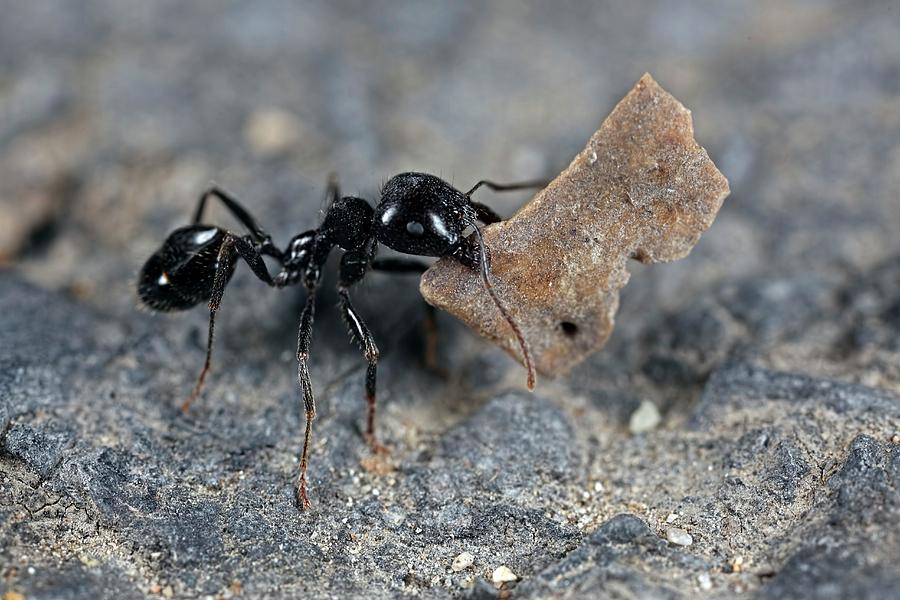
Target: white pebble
645,418
705,582
503,575
672,518
679,537
462,562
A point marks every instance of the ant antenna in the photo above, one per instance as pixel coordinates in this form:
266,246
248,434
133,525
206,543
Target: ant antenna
489,286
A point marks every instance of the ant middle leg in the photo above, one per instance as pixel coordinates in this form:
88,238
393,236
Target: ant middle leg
304,340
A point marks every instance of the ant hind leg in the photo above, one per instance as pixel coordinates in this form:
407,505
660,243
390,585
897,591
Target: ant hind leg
232,247
235,208
226,262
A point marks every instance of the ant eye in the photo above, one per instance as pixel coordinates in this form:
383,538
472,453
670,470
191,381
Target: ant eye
415,228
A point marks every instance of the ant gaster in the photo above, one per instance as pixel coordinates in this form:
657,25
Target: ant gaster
418,214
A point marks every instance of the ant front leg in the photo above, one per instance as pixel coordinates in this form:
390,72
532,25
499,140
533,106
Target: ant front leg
353,267
408,265
485,213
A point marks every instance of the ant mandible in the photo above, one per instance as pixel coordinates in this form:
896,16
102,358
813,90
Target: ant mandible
418,214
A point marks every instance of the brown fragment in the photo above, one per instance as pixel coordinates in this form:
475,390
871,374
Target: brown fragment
642,188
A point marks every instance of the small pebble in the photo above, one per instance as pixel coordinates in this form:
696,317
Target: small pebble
462,562
672,518
679,537
503,575
705,582
645,418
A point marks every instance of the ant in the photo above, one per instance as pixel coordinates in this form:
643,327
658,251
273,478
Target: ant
418,214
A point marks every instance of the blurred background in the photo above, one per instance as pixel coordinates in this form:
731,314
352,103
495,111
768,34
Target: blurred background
116,114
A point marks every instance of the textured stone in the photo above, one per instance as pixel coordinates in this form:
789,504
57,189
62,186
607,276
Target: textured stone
603,562
737,386
820,572
642,188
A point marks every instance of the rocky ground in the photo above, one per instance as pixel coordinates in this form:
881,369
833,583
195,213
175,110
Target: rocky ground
739,436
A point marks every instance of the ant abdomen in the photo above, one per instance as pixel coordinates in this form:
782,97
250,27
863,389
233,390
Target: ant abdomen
180,274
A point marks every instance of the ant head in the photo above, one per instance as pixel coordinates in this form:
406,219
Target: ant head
180,274
421,214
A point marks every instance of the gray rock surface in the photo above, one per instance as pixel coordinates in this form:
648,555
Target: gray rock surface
772,352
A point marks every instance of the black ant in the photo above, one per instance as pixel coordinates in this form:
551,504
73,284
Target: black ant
418,214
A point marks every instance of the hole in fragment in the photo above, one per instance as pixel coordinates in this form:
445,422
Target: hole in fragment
569,328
